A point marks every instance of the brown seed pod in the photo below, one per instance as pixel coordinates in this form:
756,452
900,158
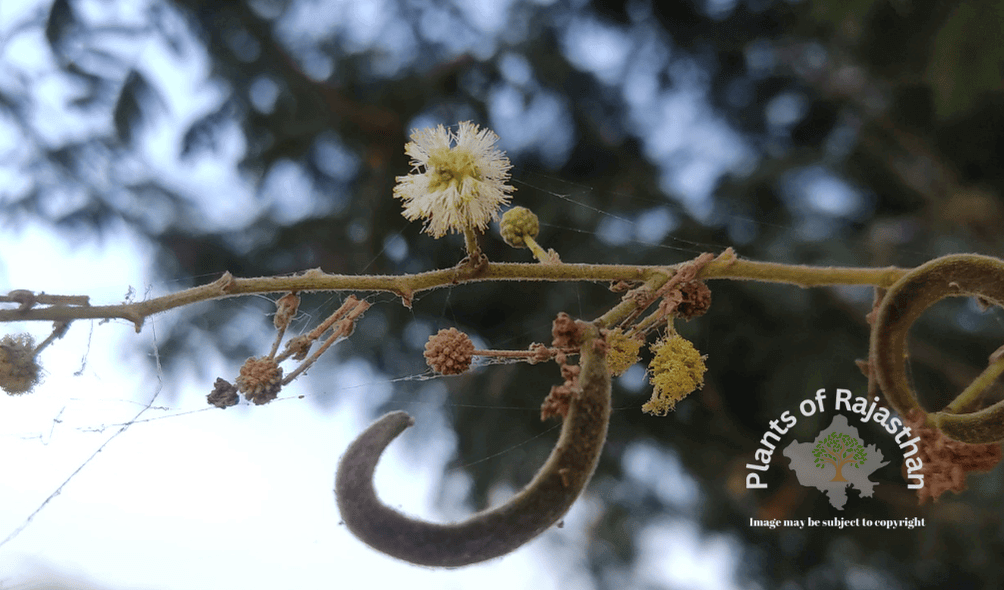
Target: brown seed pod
497,531
957,275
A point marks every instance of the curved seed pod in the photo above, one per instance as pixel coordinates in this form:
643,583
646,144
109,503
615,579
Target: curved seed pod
496,531
957,275
984,426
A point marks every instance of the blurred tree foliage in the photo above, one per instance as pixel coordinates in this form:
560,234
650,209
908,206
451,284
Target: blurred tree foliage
899,103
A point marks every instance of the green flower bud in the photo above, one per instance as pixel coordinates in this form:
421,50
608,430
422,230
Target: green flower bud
517,224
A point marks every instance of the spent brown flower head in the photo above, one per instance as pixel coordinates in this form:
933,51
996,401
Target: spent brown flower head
564,332
540,354
555,405
19,372
696,300
947,462
449,352
260,380
224,394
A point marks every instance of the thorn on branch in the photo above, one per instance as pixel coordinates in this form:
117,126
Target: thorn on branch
407,296
225,283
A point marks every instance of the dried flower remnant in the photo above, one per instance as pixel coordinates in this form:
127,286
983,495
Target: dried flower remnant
297,348
459,179
677,370
947,462
286,308
449,352
684,295
564,332
260,380
557,402
19,372
695,301
539,353
224,394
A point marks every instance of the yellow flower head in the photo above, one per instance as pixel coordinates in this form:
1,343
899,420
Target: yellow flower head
623,352
677,370
454,187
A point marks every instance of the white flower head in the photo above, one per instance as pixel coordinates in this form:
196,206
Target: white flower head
456,187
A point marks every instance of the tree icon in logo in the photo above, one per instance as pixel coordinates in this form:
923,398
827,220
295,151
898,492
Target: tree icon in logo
839,449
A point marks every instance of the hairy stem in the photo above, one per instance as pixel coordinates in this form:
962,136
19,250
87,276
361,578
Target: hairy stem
491,533
471,242
535,249
407,285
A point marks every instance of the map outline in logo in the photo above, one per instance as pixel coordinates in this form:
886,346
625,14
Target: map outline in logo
816,465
